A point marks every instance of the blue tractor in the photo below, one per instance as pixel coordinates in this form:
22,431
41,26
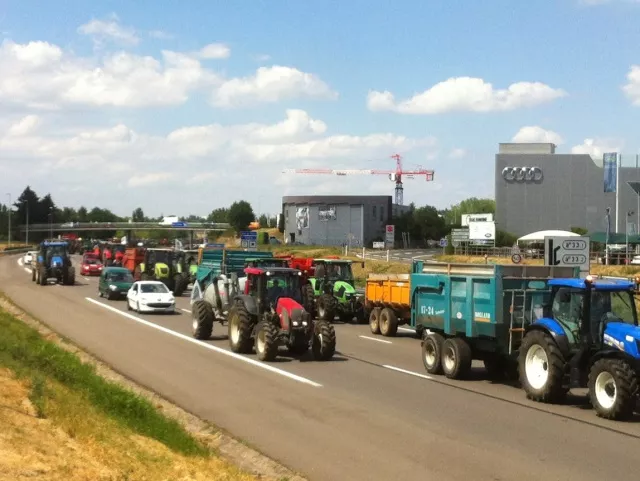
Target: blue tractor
54,261
587,336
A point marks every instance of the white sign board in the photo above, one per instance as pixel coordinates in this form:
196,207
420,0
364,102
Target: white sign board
378,245
568,251
485,231
466,219
390,236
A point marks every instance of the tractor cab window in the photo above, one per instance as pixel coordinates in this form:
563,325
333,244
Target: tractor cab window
567,309
612,307
56,250
283,285
341,272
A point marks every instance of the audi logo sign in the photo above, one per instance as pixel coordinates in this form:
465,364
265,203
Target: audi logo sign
522,174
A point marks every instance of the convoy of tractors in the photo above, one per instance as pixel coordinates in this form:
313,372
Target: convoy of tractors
543,324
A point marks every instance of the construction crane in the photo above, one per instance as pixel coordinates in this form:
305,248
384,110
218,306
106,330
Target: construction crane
394,175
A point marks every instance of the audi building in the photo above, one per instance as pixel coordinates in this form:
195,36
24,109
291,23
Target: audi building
336,220
537,189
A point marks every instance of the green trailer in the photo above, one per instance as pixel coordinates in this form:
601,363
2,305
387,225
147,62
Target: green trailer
477,312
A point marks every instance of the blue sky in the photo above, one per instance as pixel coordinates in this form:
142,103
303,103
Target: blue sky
192,131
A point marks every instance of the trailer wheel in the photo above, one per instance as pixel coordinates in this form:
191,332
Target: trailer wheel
374,320
613,387
432,353
240,329
202,320
456,358
388,322
542,368
266,341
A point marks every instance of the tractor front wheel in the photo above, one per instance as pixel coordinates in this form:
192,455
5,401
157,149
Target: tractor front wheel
240,330
202,320
266,341
324,341
179,285
613,389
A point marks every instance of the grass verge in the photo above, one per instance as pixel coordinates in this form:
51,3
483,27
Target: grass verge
61,419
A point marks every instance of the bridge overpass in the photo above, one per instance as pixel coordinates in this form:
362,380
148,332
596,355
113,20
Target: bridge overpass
124,226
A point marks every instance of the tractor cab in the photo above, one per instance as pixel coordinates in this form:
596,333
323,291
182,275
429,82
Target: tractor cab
274,288
164,265
330,271
267,262
53,253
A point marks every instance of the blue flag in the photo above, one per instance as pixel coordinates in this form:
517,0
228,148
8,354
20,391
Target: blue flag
610,164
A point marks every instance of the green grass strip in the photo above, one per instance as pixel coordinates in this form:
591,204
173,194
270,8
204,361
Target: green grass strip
26,352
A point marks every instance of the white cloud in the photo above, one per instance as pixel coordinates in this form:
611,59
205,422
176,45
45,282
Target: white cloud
457,153
597,146
298,124
160,34
105,30
535,134
262,57
632,87
271,84
25,126
214,51
466,94
148,179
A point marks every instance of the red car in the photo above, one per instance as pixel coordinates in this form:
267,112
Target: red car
91,267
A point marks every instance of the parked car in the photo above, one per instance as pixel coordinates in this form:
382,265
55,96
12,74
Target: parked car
151,296
29,257
91,267
115,282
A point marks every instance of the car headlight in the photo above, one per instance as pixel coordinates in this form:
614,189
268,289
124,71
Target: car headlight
112,287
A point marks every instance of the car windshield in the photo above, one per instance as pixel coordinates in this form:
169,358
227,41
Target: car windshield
616,306
91,261
283,285
153,289
120,277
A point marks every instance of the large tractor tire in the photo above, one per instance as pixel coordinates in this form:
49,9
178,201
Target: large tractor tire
432,353
179,284
266,341
542,368
308,299
324,341
374,320
240,330
613,389
388,322
42,276
327,307
456,358
33,274
202,320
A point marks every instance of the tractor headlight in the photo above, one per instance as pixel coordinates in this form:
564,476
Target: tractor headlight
296,323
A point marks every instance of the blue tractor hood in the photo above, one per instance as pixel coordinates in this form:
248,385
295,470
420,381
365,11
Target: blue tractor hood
624,337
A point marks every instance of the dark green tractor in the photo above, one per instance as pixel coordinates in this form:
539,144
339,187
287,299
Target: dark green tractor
188,260
334,289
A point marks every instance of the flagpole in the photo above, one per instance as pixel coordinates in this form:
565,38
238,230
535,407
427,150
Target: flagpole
618,161
637,229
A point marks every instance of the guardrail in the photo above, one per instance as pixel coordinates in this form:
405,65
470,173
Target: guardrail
77,226
22,250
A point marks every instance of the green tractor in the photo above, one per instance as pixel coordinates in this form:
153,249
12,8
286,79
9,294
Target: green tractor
165,265
334,289
188,260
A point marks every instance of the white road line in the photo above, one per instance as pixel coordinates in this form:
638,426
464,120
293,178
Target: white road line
211,347
393,368
374,339
406,329
27,270
20,262
86,278
186,310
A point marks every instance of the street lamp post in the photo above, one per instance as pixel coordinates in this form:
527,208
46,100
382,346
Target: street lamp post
9,218
27,202
51,222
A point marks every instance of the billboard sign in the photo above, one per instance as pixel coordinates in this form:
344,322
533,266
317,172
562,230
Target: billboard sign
390,235
482,231
327,213
466,218
610,168
568,251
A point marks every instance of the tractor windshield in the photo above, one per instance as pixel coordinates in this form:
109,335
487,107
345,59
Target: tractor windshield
161,257
57,250
283,285
339,272
616,306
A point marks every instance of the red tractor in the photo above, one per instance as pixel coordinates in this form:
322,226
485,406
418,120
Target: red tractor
269,314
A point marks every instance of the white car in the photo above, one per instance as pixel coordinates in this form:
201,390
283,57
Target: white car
29,257
150,296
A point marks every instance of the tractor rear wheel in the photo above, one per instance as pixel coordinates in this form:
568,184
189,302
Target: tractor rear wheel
308,299
613,389
542,368
240,329
327,307
202,320
324,341
388,322
179,285
43,276
456,358
432,353
266,341
33,274
374,320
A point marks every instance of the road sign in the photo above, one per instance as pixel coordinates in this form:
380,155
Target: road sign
455,243
516,258
390,236
460,235
568,251
443,242
249,240
378,245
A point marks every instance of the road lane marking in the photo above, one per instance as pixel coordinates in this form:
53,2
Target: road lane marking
20,262
186,310
406,329
411,373
374,339
28,271
85,278
211,347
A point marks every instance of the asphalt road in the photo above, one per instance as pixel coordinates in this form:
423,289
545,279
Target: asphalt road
370,414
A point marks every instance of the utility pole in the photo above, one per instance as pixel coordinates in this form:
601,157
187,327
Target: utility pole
9,218
27,239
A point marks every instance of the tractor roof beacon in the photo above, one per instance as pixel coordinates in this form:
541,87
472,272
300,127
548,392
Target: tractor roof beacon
269,314
588,336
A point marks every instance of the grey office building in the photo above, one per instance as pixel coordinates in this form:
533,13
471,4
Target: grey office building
537,189
336,220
